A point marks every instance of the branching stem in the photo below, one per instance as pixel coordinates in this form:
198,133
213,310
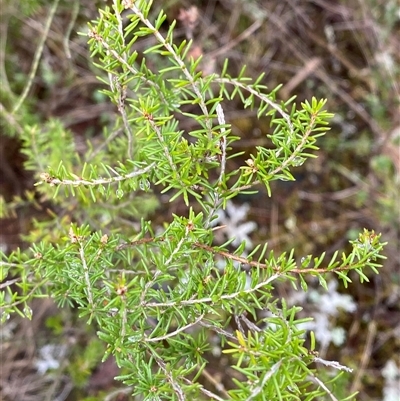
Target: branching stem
100,181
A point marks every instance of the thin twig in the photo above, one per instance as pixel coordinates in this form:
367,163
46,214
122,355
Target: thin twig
93,34
87,276
121,108
165,265
286,162
208,393
175,385
36,59
56,181
167,153
10,118
200,97
266,377
240,38
9,282
174,333
75,11
277,269
28,296
332,364
223,143
221,121
366,355
241,260
320,383
124,318
214,381
261,96
211,300
124,390
218,330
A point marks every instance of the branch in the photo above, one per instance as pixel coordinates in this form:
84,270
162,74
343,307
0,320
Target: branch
277,269
130,4
95,35
87,277
332,364
205,300
175,385
174,333
286,162
266,377
46,177
36,59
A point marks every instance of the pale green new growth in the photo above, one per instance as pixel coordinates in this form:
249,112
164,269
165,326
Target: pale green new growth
158,295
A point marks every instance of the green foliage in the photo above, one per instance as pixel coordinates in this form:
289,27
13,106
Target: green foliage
84,362
159,294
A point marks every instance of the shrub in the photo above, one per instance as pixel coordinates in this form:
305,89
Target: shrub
163,296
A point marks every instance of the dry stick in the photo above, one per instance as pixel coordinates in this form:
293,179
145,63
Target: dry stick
332,7
332,364
321,384
58,378
218,385
294,46
75,11
9,282
36,58
3,44
335,52
356,107
11,120
295,81
65,391
365,356
338,195
243,36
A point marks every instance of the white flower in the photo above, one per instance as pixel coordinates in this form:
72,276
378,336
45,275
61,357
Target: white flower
236,226
49,357
327,307
391,374
332,301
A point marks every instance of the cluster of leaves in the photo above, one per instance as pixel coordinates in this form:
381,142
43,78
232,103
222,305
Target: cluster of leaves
163,298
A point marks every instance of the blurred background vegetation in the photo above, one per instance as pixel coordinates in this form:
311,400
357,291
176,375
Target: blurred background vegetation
345,51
